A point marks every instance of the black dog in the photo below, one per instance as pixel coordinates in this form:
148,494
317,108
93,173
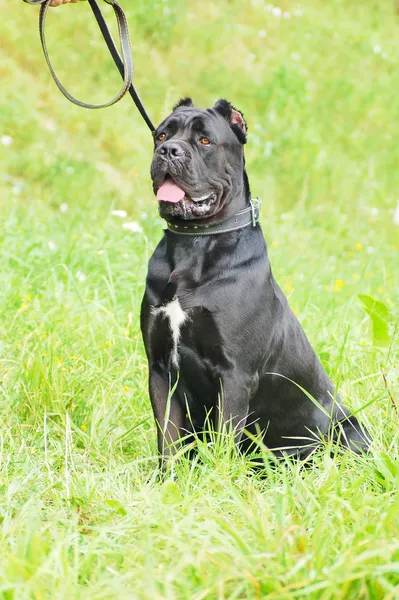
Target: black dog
223,346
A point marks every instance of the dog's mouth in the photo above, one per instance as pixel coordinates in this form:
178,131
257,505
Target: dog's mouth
174,200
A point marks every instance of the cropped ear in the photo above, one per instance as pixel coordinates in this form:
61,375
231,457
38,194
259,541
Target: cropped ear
183,103
234,117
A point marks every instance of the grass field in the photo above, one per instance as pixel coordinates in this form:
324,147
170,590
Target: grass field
82,513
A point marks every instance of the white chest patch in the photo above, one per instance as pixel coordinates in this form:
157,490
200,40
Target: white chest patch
176,316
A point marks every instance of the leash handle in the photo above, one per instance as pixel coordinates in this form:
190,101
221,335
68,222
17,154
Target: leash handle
124,64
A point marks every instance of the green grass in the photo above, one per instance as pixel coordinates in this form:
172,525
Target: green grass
82,514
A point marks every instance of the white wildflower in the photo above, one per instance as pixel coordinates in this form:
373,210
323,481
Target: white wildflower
396,215
276,11
50,125
80,276
119,213
6,140
374,211
100,252
286,14
64,207
52,246
133,226
268,149
377,49
262,33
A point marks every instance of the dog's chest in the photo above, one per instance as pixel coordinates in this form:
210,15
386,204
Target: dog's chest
166,327
184,337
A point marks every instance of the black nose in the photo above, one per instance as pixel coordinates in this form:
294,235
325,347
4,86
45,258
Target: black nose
171,150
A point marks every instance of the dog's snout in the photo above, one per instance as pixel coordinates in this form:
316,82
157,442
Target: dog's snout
171,150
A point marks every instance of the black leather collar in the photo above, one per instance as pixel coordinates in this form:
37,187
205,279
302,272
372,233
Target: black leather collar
244,218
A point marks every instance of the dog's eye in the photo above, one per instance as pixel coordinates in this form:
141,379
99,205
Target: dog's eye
205,141
161,137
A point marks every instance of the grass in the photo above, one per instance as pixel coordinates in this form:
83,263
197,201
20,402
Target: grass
82,514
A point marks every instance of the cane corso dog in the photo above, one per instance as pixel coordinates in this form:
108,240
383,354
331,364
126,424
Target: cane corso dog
224,348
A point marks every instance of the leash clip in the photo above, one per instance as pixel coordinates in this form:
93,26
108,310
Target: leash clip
255,210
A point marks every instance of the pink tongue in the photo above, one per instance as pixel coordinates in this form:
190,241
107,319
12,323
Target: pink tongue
170,192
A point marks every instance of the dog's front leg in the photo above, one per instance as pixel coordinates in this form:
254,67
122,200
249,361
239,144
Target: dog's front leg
232,408
169,416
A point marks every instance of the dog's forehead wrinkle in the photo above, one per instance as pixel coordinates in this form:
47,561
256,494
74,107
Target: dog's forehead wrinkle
198,124
186,114
194,120
173,122
195,114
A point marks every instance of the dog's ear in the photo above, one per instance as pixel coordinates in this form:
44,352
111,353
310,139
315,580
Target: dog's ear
183,103
234,117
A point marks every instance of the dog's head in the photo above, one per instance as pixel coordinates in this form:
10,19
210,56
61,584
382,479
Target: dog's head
198,165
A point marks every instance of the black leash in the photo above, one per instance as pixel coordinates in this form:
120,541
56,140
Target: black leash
124,64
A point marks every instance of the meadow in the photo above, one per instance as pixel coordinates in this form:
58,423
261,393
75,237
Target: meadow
82,511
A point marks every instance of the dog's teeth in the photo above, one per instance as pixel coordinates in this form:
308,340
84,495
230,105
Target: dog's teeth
200,198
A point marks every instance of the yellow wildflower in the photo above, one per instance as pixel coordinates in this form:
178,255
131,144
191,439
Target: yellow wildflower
83,427
358,246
